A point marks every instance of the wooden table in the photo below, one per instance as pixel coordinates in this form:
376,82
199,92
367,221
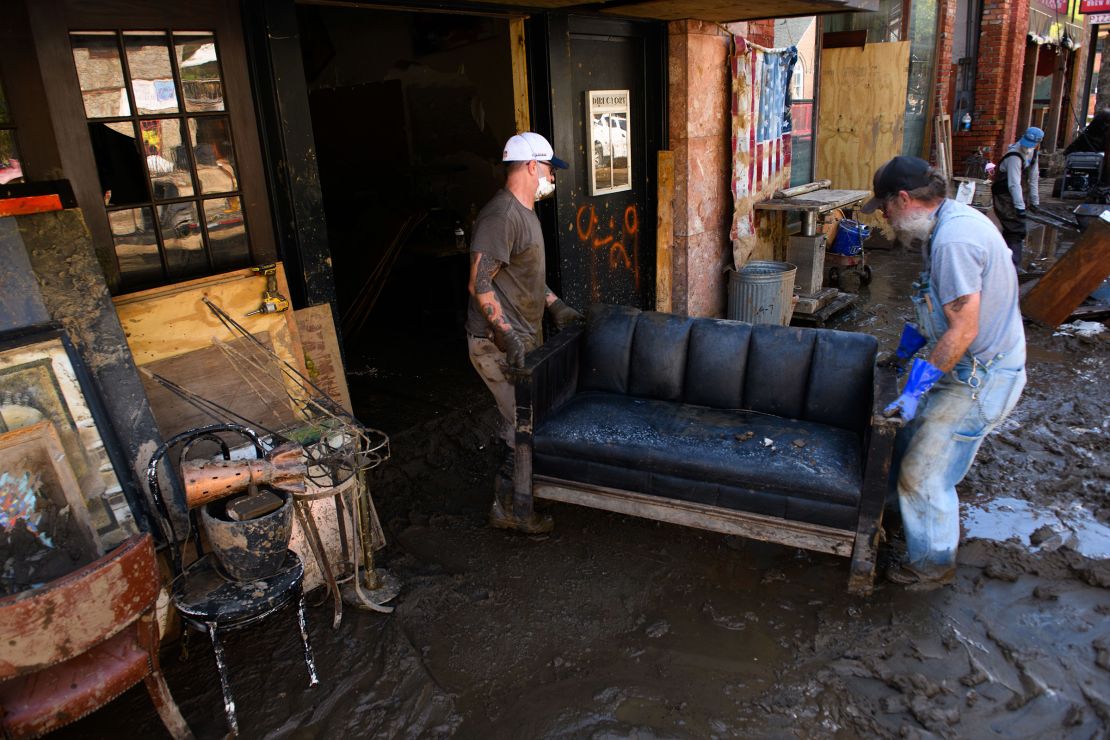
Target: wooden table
813,204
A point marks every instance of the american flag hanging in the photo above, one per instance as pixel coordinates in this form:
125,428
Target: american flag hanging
760,135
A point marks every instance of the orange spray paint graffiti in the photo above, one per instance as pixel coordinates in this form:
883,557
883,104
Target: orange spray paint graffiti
618,239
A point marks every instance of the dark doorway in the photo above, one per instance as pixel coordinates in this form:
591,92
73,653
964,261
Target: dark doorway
409,115
606,241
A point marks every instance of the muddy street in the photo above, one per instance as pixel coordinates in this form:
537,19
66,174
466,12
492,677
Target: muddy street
613,627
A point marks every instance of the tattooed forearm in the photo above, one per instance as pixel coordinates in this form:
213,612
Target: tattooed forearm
963,326
483,269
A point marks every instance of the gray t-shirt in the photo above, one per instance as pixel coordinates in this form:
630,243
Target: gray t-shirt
511,234
968,255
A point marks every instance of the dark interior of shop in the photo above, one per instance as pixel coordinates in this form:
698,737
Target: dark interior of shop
409,113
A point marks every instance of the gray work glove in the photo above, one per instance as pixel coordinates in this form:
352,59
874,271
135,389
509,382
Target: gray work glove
512,344
563,315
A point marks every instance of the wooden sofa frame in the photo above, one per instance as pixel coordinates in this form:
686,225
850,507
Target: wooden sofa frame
549,379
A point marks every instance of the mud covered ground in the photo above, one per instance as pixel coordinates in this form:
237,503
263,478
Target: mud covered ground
613,627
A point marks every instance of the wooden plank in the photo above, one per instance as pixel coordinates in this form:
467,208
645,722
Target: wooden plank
664,233
173,320
862,115
701,516
208,373
803,189
1074,277
322,357
518,51
942,132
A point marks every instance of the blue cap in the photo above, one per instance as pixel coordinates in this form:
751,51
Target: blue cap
1031,137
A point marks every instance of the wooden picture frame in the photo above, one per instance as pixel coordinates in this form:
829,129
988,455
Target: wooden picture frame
33,456
43,379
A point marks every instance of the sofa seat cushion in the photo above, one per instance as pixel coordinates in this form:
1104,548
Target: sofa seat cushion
714,456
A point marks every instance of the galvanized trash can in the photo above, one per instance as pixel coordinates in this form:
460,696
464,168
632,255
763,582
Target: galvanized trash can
761,292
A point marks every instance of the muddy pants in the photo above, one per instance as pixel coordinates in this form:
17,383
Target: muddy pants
1013,225
934,452
486,358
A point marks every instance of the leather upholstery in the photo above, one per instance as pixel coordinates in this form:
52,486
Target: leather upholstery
679,408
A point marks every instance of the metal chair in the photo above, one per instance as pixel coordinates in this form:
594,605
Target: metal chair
209,602
80,641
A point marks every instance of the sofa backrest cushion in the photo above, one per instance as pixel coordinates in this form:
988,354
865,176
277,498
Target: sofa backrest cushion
840,379
659,347
715,363
815,375
604,362
777,375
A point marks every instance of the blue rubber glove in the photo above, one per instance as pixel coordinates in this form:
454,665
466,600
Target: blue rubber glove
923,376
911,341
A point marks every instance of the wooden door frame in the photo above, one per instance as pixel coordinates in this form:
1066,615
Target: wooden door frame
51,22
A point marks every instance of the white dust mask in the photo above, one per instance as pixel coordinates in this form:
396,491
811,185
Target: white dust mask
544,188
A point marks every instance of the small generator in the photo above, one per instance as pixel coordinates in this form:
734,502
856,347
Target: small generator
1082,171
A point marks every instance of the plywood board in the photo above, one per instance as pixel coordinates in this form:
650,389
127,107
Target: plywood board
208,373
171,321
518,52
862,113
1074,277
322,357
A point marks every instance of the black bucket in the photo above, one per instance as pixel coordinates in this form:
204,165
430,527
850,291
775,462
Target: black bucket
251,549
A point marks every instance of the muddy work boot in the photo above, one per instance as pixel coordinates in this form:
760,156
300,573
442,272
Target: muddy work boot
501,513
913,579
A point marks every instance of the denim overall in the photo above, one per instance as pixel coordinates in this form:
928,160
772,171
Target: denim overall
935,450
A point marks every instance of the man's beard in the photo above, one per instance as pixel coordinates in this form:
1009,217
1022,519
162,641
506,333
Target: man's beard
913,227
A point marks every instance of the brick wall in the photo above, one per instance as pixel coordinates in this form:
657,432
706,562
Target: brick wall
998,80
945,82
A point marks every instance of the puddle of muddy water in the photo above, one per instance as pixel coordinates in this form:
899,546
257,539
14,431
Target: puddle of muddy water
1005,518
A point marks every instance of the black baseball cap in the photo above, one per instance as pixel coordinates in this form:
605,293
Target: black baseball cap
900,173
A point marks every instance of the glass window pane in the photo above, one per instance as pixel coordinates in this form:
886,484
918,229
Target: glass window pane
211,139
118,163
136,247
182,238
227,233
148,61
11,170
100,75
166,158
199,67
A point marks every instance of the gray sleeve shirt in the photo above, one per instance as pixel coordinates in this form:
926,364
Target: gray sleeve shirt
969,256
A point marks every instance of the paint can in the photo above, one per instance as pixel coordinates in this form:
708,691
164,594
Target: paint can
761,292
251,549
850,236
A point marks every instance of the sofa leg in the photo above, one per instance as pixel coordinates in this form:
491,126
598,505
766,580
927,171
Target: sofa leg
513,503
861,580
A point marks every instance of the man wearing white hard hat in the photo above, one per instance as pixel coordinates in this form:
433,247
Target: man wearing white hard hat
1016,189
508,293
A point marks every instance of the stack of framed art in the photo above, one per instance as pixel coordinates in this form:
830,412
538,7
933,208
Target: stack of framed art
61,500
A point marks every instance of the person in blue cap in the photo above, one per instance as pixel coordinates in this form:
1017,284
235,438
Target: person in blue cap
972,369
1016,189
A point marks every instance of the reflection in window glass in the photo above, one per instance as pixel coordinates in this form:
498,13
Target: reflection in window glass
215,157
227,233
166,158
100,75
136,246
148,62
199,67
11,169
118,163
183,241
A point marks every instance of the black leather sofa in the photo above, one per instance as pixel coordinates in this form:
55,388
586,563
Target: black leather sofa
767,432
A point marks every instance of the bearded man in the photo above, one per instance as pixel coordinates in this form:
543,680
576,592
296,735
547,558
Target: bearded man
969,328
